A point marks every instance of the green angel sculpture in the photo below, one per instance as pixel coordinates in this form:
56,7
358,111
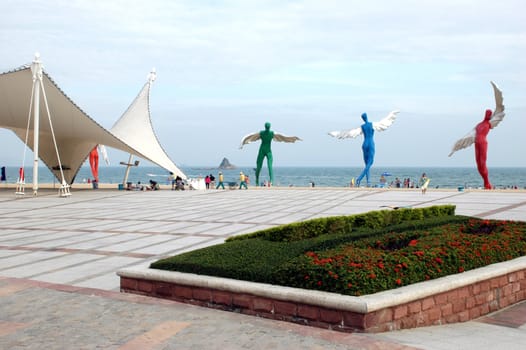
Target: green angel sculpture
266,136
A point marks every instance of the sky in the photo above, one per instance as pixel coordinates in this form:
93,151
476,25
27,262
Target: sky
308,67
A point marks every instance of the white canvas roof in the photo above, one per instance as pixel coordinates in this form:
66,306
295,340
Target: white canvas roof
135,128
75,132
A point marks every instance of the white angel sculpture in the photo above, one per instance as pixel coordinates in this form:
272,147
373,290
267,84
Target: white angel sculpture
266,136
480,132
367,129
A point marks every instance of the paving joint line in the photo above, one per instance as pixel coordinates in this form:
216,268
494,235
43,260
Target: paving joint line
501,209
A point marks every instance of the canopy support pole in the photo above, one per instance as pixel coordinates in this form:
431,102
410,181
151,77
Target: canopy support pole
128,166
36,69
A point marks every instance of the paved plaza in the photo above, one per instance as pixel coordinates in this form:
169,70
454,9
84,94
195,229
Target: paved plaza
59,257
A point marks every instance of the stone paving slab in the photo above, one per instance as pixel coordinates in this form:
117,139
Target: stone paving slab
89,319
96,232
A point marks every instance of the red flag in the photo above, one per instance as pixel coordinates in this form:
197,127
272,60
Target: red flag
94,163
21,176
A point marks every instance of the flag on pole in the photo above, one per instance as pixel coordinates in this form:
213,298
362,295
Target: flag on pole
94,163
21,176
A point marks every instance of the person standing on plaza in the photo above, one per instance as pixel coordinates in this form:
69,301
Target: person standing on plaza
220,180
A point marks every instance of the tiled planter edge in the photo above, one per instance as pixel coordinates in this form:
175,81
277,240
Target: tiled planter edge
455,298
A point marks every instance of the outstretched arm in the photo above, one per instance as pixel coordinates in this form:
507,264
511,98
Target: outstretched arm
249,138
386,122
284,138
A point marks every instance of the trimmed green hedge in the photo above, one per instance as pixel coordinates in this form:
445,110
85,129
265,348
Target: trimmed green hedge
346,224
258,256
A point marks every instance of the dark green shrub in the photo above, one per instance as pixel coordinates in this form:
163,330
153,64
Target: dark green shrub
346,224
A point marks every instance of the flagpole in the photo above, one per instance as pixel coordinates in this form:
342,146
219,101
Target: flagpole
36,69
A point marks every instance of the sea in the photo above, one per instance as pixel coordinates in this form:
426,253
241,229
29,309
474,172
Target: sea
318,176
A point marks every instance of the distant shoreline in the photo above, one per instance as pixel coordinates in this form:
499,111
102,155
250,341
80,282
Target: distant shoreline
164,187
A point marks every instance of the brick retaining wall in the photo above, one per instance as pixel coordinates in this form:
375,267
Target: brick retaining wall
455,305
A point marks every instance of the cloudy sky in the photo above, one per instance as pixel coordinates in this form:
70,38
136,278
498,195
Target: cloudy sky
307,66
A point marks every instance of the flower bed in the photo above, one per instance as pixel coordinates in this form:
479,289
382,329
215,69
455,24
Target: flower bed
376,264
372,272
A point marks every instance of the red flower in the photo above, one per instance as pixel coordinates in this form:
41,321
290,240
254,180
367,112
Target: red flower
399,281
412,243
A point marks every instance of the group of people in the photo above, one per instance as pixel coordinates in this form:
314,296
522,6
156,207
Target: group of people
209,181
406,183
154,186
176,181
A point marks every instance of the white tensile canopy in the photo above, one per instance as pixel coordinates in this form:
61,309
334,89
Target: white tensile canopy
76,134
135,129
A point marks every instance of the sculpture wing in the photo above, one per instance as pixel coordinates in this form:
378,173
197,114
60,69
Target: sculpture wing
386,122
498,113
345,134
284,138
464,142
249,138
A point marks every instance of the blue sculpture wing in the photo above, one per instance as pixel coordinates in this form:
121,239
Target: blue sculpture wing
386,122
345,134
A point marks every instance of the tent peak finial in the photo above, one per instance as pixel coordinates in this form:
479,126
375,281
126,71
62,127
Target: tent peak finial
152,75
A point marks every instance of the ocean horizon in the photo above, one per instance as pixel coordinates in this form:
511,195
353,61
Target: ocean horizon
301,176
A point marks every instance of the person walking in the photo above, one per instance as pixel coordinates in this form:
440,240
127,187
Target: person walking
242,181
220,179
424,183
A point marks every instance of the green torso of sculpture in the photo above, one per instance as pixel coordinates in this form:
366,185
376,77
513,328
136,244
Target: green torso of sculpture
265,151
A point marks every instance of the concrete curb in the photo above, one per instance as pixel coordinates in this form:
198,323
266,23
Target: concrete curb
363,304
